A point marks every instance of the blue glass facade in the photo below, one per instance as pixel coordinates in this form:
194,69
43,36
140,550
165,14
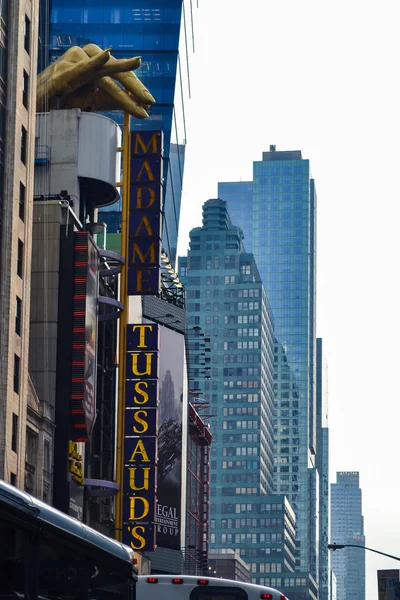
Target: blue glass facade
347,527
283,243
240,206
173,198
150,29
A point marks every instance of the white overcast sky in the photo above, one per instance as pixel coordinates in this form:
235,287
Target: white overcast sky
320,77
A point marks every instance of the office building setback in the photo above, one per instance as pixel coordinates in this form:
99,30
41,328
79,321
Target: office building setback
225,297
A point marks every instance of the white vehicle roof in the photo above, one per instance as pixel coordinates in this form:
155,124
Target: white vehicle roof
181,587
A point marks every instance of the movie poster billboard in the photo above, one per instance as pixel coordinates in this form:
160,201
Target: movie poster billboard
170,515
91,335
84,337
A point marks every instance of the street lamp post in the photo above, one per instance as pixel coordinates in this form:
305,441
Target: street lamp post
334,547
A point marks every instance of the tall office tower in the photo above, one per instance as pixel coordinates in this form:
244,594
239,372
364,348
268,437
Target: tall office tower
347,527
150,29
18,56
226,298
323,470
283,243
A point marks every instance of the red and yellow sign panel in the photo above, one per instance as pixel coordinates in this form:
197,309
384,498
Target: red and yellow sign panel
84,344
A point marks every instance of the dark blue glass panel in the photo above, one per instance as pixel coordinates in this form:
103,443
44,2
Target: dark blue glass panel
146,28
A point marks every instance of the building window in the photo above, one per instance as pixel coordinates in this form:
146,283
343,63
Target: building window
20,258
25,89
13,479
46,457
22,191
31,447
194,320
245,269
24,135
18,316
29,484
194,263
14,437
27,35
229,261
16,373
46,492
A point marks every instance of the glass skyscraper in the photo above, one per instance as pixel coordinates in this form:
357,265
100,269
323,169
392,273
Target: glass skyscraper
150,29
347,527
282,206
323,470
226,298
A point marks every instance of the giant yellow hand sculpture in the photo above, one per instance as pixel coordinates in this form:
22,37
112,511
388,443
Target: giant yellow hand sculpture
84,78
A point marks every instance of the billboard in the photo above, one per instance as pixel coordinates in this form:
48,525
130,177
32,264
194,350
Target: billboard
171,451
92,293
84,339
145,213
389,584
76,480
139,479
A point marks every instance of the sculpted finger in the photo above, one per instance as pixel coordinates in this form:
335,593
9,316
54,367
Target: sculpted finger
123,101
82,72
81,98
74,55
133,85
121,70
92,49
102,101
97,61
115,66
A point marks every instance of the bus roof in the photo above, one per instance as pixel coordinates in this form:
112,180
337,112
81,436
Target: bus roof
33,508
214,581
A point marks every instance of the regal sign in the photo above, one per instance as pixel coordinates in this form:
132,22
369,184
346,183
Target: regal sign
140,437
145,213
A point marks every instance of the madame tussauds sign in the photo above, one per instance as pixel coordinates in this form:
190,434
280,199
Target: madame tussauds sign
140,437
145,213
